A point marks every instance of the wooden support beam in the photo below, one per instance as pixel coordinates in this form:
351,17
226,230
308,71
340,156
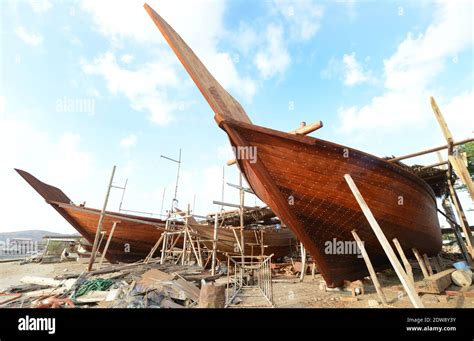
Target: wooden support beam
154,248
406,263
107,244
428,264
437,283
368,263
214,246
101,221
409,288
421,262
461,171
304,129
442,123
303,262
462,219
430,150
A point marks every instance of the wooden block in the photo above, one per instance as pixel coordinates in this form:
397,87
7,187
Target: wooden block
437,283
348,299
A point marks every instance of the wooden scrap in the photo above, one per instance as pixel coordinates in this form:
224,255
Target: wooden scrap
439,282
190,290
153,277
48,281
166,303
5,298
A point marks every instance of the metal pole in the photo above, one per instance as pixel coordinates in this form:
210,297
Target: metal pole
123,194
101,220
162,202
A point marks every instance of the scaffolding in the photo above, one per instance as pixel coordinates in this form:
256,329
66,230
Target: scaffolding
250,273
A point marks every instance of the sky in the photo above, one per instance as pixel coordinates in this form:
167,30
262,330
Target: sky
86,85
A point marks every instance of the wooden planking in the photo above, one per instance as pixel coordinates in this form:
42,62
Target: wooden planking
321,218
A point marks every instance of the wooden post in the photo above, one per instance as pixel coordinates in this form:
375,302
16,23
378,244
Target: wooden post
303,261
154,248
406,263
449,215
452,162
368,263
214,246
107,244
462,172
101,221
409,288
462,219
421,263
242,200
428,264
165,241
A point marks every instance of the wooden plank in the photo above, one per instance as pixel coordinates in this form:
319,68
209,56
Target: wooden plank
462,219
373,275
421,263
462,173
437,283
406,263
431,150
409,288
305,129
104,252
442,123
95,245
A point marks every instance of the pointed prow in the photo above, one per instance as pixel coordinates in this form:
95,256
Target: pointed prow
222,103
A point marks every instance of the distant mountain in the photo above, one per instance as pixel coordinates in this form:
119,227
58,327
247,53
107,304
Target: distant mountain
36,235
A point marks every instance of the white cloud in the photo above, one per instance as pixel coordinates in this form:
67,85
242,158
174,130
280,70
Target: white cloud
353,71
31,39
273,59
458,114
128,141
40,6
419,59
127,58
200,23
144,87
61,161
303,16
409,73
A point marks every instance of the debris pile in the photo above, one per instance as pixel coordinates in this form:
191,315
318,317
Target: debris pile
137,285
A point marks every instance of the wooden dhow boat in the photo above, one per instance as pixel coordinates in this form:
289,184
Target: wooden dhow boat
135,236
301,179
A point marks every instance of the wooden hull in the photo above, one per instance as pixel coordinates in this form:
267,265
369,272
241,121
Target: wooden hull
134,236
302,180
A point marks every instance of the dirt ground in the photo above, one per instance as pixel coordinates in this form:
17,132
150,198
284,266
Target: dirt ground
288,291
